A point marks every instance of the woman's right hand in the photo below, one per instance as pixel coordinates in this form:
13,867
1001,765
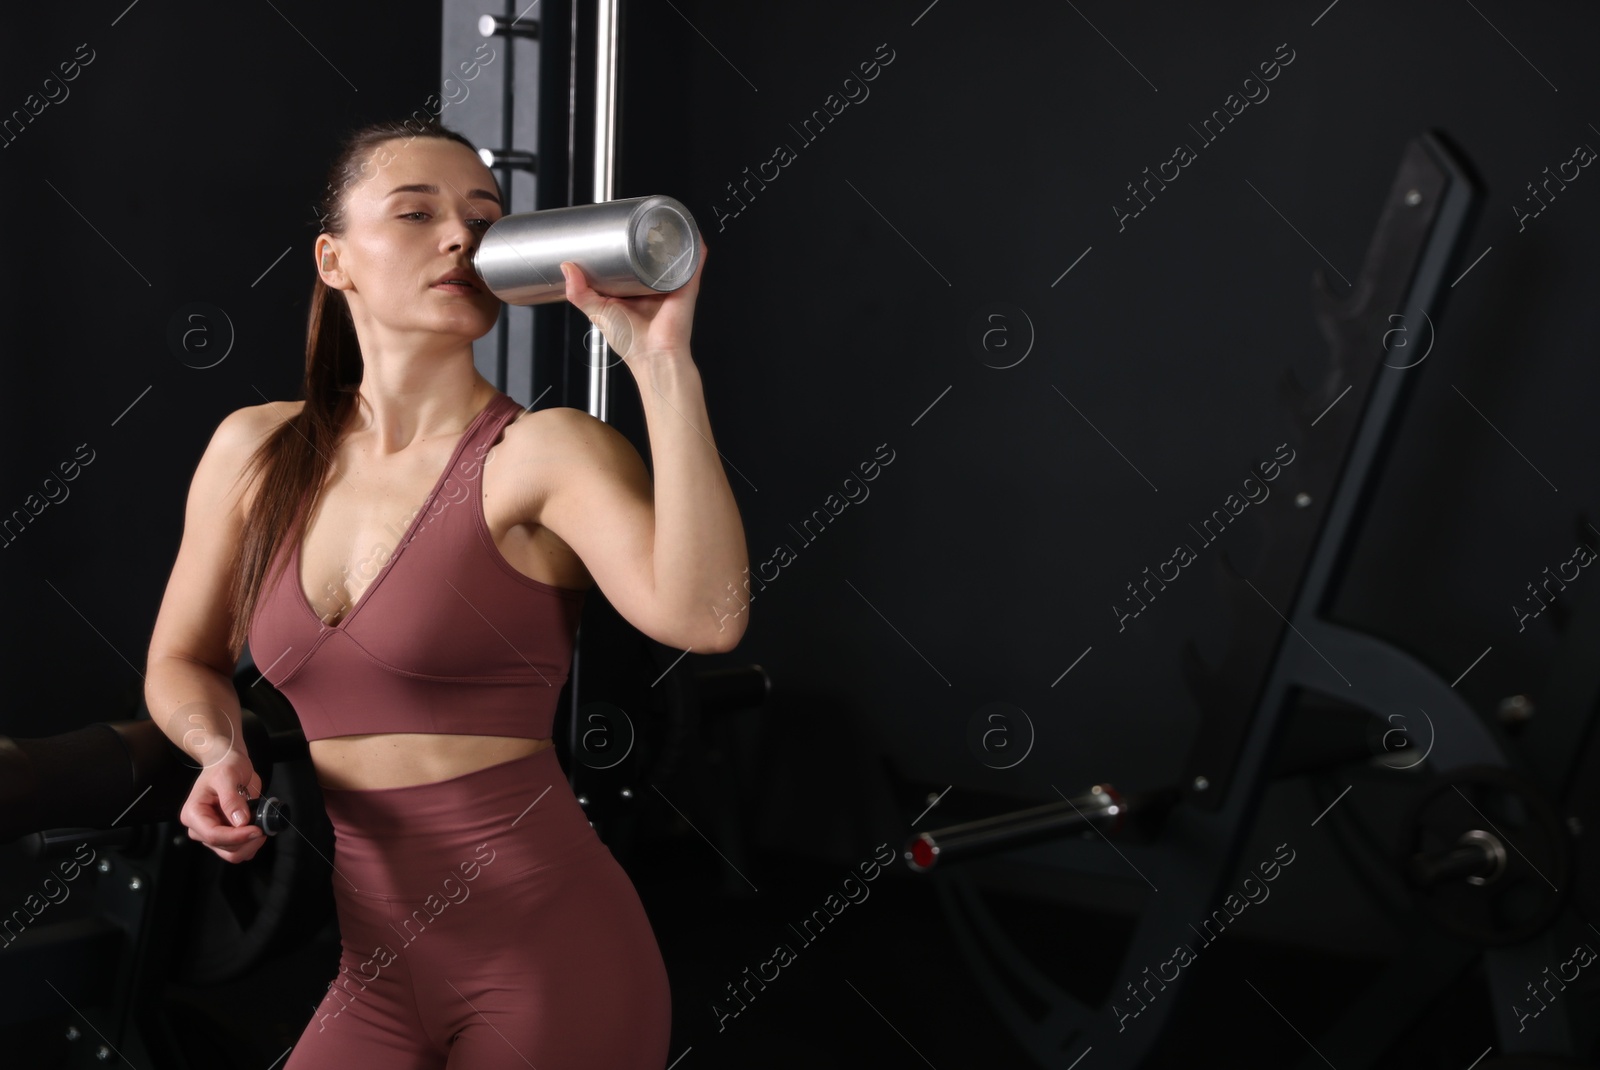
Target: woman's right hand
218,816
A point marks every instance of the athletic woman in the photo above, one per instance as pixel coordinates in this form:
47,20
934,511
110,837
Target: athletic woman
407,552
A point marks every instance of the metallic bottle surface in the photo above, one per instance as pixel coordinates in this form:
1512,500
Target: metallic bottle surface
630,247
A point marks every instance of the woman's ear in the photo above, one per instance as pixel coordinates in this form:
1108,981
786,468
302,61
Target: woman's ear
325,252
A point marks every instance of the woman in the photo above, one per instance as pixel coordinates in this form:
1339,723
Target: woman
483,923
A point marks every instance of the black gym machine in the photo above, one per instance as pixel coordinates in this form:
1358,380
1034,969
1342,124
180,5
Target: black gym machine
1488,850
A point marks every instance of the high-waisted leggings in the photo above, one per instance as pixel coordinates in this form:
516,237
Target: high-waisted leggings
484,924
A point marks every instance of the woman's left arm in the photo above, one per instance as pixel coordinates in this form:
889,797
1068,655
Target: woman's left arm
696,548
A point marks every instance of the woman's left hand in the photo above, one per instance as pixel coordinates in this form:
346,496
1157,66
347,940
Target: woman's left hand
639,328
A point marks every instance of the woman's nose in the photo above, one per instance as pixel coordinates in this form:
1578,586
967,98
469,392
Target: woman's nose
461,234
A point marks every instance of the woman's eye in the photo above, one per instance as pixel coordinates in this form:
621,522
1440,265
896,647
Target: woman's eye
487,223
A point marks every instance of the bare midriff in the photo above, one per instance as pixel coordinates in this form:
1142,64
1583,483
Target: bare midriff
402,759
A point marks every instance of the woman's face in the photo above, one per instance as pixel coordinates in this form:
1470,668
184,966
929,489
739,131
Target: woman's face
418,213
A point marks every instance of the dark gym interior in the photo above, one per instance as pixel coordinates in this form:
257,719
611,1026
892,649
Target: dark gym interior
1010,314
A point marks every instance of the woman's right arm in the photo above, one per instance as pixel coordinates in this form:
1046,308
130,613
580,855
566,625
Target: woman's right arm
189,669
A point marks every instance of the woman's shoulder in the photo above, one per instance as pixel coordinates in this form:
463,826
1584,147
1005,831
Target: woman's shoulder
244,428
565,432
237,438
568,448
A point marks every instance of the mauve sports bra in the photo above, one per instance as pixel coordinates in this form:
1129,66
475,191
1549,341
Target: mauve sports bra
448,637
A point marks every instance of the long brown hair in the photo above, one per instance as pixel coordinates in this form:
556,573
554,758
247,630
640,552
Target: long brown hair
293,462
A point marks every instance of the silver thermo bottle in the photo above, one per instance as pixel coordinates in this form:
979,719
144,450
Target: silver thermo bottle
627,248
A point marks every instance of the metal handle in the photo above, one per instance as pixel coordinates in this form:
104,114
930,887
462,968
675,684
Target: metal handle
1099,806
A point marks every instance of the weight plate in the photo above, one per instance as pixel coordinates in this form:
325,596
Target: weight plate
244,913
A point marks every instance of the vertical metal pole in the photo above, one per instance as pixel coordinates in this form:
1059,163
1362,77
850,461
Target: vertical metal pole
508,83
605,133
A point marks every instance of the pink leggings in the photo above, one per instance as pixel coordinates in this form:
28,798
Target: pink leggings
484,924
